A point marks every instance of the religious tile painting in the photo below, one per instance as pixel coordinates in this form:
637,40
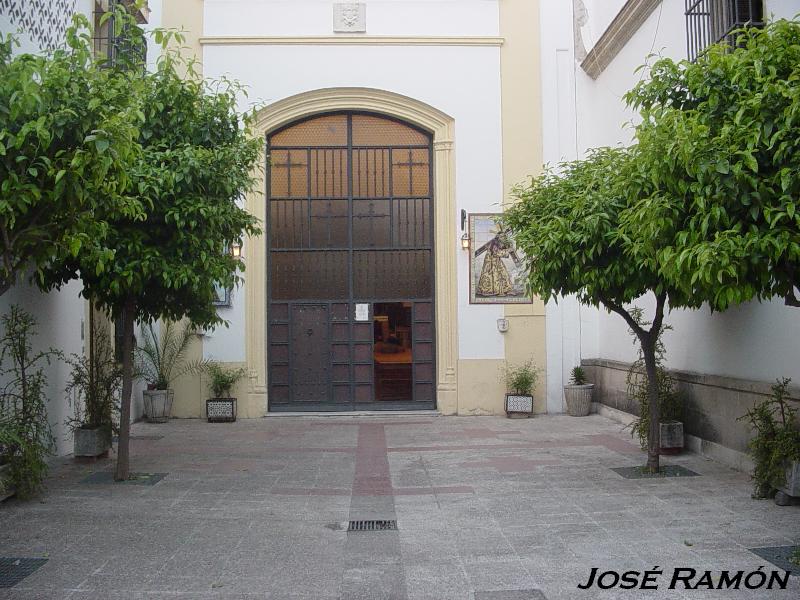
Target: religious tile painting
497,274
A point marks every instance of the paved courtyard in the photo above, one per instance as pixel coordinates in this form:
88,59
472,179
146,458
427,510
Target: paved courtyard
486,508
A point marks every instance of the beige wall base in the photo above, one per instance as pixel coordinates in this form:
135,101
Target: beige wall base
480,387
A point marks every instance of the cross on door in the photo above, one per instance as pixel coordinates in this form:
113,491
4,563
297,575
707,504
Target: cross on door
410,163
288,165
327,219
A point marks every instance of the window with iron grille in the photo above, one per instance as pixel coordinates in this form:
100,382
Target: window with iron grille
116,49
712,21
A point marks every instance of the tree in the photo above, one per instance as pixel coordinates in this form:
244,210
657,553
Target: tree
720,139
67,136
197,160
567,224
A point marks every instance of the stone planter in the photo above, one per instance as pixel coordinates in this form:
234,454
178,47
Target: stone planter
6,491
158,405
578,399
221,410
671,437
91,442
791,485
519,405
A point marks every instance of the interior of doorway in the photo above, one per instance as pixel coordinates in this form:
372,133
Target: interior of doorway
392,351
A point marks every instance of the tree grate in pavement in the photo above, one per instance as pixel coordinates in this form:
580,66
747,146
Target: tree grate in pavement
107,478
372,526
780,557
664,471
13,570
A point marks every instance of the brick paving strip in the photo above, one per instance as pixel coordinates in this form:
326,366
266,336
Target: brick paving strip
373,478
372,475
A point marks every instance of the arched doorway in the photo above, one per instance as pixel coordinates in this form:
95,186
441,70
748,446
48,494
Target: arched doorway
350,264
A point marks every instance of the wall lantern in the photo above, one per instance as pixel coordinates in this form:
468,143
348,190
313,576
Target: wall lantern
465,234
236,249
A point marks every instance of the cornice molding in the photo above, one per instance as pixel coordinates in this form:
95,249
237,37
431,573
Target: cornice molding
627,22
350,40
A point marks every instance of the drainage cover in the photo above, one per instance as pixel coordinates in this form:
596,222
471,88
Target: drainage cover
372,526
107,477
14,570
780,556
664,471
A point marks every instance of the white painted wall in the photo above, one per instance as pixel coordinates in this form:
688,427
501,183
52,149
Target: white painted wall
782,9
463,82
384,17
753,341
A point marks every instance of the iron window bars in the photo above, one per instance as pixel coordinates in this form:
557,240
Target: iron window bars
116,49
711,21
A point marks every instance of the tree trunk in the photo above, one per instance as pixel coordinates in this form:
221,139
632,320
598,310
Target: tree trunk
654,434
123,448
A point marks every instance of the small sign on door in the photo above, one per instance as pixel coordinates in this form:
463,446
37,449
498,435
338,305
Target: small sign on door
362,312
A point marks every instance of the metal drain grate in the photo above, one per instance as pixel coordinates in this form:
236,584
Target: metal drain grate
780,556
372,526
14,570
107,477
664,471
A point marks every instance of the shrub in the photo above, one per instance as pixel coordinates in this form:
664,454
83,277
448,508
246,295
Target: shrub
776,441
94,385
223,378
25,435
521,379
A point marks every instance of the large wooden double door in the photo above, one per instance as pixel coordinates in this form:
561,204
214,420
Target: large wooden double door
350,265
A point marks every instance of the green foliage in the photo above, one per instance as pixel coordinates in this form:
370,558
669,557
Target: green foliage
670,401
94,385
196,162
68,132
776,441
161,359
567,223
223,378
521,379
795,557
25,436
720,140
577,376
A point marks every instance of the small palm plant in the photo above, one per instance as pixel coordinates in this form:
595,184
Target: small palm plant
578,376
162,358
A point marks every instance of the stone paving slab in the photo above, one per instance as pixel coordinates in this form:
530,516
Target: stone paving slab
486,507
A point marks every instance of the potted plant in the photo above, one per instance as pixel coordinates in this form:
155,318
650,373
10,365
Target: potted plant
520,381
670,402
160,360
93,391
775,448
578,394
221,407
